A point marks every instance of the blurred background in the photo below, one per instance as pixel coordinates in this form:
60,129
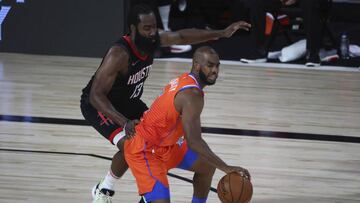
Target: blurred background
88,27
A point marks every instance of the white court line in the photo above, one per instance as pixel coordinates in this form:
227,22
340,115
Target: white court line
270,65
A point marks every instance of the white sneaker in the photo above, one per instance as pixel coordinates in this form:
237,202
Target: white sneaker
274,55
179,48
102,196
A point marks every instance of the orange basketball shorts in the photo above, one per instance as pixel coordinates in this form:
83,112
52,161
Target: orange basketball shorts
149,163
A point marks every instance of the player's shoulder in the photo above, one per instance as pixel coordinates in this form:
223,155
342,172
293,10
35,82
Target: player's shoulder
190,93
196,92
118,53
118,50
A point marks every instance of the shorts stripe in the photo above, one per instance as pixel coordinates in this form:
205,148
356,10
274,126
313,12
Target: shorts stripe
158,192
104,119
113,134
147,163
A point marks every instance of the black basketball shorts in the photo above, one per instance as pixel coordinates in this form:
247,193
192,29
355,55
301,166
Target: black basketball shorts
105,126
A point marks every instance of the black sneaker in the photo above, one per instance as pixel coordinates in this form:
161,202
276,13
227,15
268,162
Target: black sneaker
313,60
142,200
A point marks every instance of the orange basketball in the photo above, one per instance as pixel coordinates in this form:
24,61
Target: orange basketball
233,188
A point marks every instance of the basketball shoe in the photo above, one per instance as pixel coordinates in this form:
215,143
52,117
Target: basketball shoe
102,195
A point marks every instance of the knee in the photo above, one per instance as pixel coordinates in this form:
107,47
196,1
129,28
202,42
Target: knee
120,145
212,170
119,155
209,170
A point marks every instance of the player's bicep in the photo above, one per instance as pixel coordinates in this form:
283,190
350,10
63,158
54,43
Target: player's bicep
191,103
115,61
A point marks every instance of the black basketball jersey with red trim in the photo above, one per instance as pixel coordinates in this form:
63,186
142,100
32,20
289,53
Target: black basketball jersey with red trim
130,86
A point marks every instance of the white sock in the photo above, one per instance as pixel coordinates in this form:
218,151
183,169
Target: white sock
164,14
109,181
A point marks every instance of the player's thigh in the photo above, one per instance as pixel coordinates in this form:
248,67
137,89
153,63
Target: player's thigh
145,166
202,167
105,126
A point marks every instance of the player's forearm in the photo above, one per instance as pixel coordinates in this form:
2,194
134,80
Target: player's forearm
203,149
103,105
194,36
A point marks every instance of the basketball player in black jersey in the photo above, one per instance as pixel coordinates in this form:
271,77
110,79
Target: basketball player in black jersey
111,100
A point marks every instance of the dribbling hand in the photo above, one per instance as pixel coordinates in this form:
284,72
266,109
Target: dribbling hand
242,171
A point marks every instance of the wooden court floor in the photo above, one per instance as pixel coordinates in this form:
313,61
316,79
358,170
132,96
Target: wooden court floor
296,130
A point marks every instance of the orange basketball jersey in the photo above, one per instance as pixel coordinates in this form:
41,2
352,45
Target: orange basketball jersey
161,124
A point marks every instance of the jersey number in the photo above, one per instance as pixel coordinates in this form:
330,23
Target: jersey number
137,90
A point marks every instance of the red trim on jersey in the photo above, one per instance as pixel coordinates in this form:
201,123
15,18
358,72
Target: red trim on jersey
113,134
133,48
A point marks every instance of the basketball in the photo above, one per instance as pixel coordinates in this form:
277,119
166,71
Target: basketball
233,188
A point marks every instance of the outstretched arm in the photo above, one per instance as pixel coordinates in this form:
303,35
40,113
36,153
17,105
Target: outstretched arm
194,36
190,103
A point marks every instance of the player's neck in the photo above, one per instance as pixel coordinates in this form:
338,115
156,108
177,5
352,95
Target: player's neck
198,80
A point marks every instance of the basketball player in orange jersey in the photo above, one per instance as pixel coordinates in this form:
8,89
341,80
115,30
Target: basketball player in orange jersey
111,100
158,144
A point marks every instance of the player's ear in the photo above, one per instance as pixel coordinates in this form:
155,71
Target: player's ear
196,65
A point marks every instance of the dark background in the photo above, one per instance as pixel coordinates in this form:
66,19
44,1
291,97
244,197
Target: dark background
62,27
88,27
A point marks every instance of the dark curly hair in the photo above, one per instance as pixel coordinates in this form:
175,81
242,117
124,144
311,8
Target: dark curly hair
135,12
